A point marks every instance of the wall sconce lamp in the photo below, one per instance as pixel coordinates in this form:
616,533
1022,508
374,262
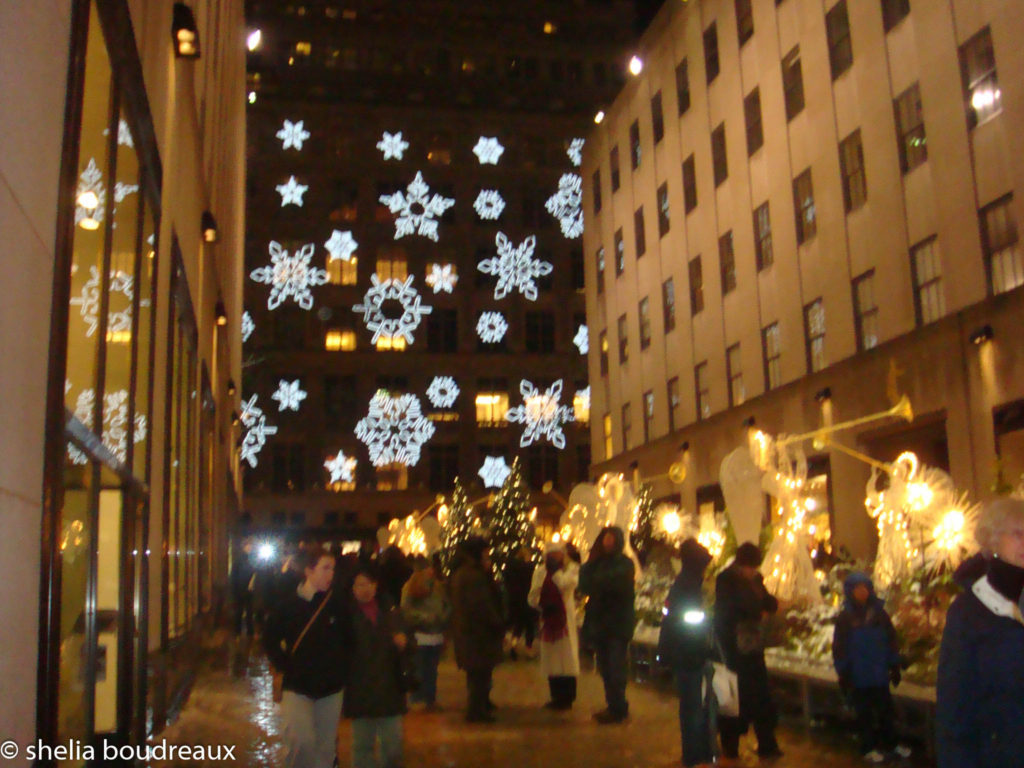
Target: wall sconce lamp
184,32
231,386
208,225
599,117
981,335
221,313
636,65
823,395
234,418
88,201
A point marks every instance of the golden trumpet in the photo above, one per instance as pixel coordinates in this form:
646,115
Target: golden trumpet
677,472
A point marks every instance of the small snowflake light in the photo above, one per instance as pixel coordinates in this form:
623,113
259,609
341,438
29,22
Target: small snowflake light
124,134
515,267
290,276
575,152
292,135
494,471
489,204
396,290
394,430
581,340
342,468
122,190
541,414
442,392
442,277
118,321
288,395
565,205
392,145
418,210
291,192
90,195
341,246
491,327
257,430
115,423
248,326
488,150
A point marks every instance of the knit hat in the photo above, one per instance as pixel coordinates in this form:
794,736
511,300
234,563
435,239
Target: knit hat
748,554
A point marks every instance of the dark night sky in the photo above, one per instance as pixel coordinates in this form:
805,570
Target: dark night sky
645,11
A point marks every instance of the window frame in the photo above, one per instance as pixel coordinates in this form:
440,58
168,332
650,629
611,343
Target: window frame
644,316
668,305
682,87
909,103
803,204
854,177
814,343
696,284
865,318
771,356
664,214
719,155
639,234
744,21
727,262
793,83
931,286
764,252
657,118
734,375
752,120
689,184
840,43
712,59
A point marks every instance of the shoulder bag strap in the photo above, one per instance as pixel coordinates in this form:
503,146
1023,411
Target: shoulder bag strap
309,623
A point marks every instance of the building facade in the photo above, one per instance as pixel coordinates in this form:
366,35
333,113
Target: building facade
356,105
798,211
123,176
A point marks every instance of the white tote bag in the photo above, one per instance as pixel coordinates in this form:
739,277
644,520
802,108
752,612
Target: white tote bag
726,689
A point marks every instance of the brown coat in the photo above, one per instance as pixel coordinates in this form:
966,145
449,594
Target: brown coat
477,624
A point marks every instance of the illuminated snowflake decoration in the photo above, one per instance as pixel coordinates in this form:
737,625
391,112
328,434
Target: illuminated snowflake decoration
442,392
541,414
248,326
288,395
124,134
122,190
256,431
290,276
575,152
515,267
489,204
442,277
291,192
494,471
491,327
91,180
565,205
88,303
341,246
342,469
392,145
115,423
417,210
292,135
488,150
394,430
582,340
396,290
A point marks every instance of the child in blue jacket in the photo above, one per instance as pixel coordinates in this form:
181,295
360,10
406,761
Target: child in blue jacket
866,657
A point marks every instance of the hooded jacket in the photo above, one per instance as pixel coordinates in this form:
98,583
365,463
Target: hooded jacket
685,638
607,580
864,646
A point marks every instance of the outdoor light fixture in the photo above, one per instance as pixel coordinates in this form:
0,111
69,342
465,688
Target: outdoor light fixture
636,65
252,97
208,224
184,32
981,335
823,395
220,313
252,42
231,386
234,418
599,116
89,201
550,28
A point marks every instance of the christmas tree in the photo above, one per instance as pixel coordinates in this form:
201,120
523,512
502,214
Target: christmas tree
509,520
641,533
457,525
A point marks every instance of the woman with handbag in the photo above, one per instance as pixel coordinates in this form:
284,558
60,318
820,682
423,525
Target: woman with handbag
307,640
426,610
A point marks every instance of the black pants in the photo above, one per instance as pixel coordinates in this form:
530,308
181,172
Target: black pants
243,608
612,664
478,689
875,718
563,690
756,708
523,623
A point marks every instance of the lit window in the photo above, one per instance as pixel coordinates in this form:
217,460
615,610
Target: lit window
303,48
607,426
392,265
336,340
491,408
392,477
978,74
930,302
581,406
391,344
343,272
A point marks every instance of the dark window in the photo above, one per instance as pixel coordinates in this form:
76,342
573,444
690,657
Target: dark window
288,468
702,387
597,191
793,83
668,304
851,164
840,46
696,286
614,159
929,300
341,403
893,12
689,184
718,158
814,335
682,87
444,467
771,349
1003,258
620,253
727,261
711,65
603,342
582,462
542,465
540,332
663,213
599,259
578,270
644,311
674,404
865,311
638,231
913,143
442,330
734,375
648,415
752,115
623,340
763,237
803,203
978,75
657,118
744,20
634,145
627,426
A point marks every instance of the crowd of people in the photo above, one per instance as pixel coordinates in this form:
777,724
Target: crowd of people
358,636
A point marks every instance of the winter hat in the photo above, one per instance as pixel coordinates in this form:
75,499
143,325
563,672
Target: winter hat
554,546
694,555
748,554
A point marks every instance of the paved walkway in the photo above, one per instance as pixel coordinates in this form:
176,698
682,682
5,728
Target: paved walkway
231,704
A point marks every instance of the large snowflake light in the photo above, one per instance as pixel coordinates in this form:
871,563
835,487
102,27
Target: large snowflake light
442,392
581,340
488,150
491,327
442,277
256,431
291,192
118,321
90,180
515,267
342,468
248,326
565,205
575,152
292,135
489,204
394,430
288,395
341,246
290,276
541,414
494,471
392,290
392,145
417,210
115,423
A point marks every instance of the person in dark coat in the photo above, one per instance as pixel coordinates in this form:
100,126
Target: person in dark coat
243,588
394,572
685,645
307,637
375,699
518,579
741,604
980,689
866,656
607,581
478,625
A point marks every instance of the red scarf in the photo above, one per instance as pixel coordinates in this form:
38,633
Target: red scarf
552,611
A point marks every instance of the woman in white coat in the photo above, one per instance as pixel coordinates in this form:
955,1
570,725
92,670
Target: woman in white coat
552,593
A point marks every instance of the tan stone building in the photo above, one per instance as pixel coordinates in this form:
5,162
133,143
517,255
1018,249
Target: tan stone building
797,198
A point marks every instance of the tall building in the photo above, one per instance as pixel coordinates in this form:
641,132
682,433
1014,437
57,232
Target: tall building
402,146
798,210
122,179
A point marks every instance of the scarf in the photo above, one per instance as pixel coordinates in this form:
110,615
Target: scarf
552,611
1007,579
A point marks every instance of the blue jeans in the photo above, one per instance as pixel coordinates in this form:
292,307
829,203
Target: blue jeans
366,731
696,717
310,729
427,659
612,664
